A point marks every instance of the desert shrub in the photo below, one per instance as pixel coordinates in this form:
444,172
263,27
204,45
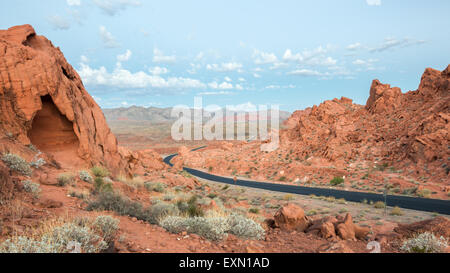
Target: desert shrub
108,227
158,211
110,201
283,178
65,179
99,171
71,232
85,176
56,240
156,187
425,243
23,244
210,228
288,197
426,193
244,227
190,208
254,210
379,205
174,224
17,163
396,211
31,187
38,163
101,186
135,182
336,181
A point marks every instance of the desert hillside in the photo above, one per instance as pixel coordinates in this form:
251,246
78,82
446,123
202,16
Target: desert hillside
398,141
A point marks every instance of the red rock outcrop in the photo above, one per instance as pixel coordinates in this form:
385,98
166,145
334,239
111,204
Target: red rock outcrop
408,132
291,217
43,102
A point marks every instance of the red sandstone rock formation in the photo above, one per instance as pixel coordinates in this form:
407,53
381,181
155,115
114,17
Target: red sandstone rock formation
291,217
43,102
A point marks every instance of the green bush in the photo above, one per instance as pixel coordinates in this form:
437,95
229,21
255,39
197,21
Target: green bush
425,243
101,186
99,171
337,180
110,201
17,164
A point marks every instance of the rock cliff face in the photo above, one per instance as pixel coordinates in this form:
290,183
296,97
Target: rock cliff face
392,126
43,102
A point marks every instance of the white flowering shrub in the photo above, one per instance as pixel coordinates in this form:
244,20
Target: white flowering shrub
210,228
85,176
108,226
57,240
244,227
17,163
38,163
31,187
425,243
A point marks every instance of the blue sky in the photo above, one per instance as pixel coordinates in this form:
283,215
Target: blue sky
292,53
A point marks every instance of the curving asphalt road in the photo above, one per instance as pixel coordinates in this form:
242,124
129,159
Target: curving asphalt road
421,204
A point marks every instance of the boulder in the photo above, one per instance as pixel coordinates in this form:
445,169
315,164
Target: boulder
291,217
347,230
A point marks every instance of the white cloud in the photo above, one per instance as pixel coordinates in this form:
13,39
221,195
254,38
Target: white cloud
305,72
261,57
392,43
159,57
107,38
228,79
158,70
199,56
354,47
225,67
222,86
112,7
373,2
122,78
256,75
241,79
74,2
58,22
359,62
245,107
213,93
315,56
84,59
124,57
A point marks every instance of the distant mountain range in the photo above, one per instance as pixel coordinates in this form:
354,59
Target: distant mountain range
157,115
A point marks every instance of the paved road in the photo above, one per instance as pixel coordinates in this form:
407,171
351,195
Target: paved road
415,203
